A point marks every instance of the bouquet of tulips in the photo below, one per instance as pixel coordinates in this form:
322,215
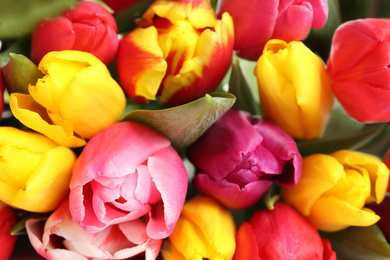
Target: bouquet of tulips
194,129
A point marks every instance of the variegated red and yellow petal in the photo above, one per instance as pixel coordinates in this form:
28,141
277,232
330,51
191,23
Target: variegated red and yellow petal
198,12
203,73
140,64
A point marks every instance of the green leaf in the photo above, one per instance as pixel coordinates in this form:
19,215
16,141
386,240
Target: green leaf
19,72
239,87
359,243
19,17
347,140
184,124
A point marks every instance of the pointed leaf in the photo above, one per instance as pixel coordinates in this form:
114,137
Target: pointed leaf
347,140
239,87
18,18
184,124
359,243
19,72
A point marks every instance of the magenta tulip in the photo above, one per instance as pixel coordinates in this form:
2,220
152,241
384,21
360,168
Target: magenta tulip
281,233
88,27
127,171
240,156
257,21
358,67
60,237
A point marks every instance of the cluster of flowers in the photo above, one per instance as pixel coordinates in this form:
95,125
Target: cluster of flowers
116,188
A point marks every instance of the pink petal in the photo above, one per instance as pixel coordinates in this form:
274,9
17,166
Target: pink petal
170,177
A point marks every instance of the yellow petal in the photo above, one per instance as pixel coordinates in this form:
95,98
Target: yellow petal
34,116
48,185
294,88
92,101
331,214
320,173
28,140
376,169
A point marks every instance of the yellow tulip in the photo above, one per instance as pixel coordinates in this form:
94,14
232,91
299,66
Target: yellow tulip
334,189
294,88
205,229
34,171
75,99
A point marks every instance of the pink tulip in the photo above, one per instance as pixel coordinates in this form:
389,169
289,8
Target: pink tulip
60,237
88,27
240,156
358,67
257,21
8,219
281,233
127,171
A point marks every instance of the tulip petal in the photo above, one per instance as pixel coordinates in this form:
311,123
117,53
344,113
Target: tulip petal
163,219
230,194
213,54
321,172
57,34
341,214
34,116
246,247
140,56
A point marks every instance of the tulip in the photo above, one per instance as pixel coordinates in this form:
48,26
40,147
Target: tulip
256,22
281,233
205,230
239,157
126,171
334,189
75,99
8,219
60,237
386,160
87,27
180,55
34,171
294,88
358,66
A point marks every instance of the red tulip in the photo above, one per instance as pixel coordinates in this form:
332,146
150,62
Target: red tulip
358,66
8,219
88,27
257,21
383,210
281,233
239,157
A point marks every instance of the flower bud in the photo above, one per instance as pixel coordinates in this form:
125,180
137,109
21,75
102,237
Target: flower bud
75,99
178,55
8,219
358,65
256,22
281,233
87,27
240,156
35,172
294,88
334,189
205,230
